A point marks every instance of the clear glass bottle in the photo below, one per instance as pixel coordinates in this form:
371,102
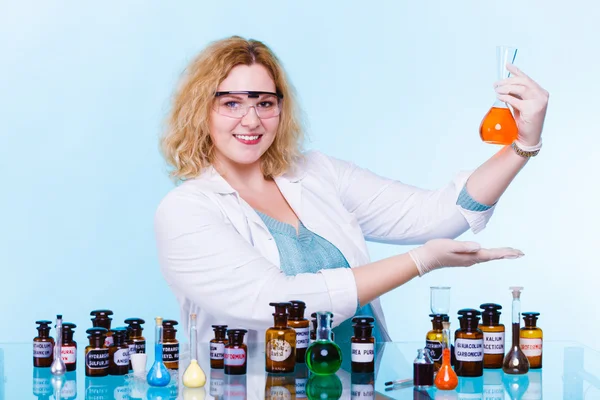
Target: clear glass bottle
170,344
446,378
300,324
434,339
280,342
423,370
217,346
531,340
43,345
96,355
468,344
493,335
235,358
323,356
515,361
363,345
68,350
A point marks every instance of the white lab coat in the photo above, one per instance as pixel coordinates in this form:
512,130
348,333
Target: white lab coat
221,262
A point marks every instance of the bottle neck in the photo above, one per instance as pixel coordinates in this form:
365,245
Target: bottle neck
43,333
516,311
168,335
135,333
97,341
363,332
119,340
490,320
281,320
220,335
437,325
67,336
101,323
469,324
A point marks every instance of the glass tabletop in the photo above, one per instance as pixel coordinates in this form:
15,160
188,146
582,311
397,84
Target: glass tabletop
567,373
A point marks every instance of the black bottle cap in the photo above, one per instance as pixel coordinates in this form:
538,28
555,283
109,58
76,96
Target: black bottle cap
363,321
236,336
530,318
69,326
102,314
314,316
43,323
169,325
96,332
439,317
119,335
490,314
469,314
135,323
280,308
59,316
296,309
220,328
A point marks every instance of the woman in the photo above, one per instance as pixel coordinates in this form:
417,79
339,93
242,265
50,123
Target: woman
255,221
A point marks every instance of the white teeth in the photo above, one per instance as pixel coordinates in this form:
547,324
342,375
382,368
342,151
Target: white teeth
245,137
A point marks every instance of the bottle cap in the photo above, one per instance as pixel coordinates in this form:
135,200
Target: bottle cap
296,309
363,321
236,336
169,325
280,308
43,324
439,317
135,323
516,291
469,313
490,314
101,313
530,318
67,326
98,331
220,328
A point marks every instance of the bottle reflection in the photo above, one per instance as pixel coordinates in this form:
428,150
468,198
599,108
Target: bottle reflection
98,388
42,386
470,388
138,387
516,385
362,386
492,384
174,385
534,391
119,387
158,393
194,393
280,386
324,387
573,368
217,383
301,378
235,387
445,395
69,389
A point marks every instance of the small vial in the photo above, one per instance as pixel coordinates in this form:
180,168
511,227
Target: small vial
217,346
300,324
170,344
280,342
493,335
236,353
118,353
68,350
102,320
468,344
43,345
531,339
363,345
135,328
96,355
435,338
423,370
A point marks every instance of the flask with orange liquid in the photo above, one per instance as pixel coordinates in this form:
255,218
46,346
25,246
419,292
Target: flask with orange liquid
446,378
499,126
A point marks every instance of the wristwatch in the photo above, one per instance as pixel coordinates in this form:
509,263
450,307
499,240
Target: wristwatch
524,153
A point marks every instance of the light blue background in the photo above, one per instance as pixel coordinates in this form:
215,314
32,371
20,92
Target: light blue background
397,87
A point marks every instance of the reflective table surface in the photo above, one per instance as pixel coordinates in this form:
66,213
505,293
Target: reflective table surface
568,373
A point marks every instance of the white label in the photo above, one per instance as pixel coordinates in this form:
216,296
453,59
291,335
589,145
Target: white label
278,350
234,357
531,347
42,349
68,354
132,349
216,351
493,342
108,341
470,350
216,387
121,357
363,352
302,337
435,349
362,392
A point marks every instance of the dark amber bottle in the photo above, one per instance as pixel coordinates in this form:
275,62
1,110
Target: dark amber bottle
531,340
300,324
235,356
280,342
435,338
68,350
493,335
468,344
135,333
96,355
118,353
102,319
43,345
363,345
170,344
217,346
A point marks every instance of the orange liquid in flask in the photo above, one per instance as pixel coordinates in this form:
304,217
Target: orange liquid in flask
498,126
446,378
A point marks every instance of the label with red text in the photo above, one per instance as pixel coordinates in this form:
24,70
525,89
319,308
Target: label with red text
234,357
531,347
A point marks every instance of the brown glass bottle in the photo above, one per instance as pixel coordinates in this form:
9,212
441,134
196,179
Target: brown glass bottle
280,342
118,353
170,344
68,350
217,346
235,356
300,324
468,344
493,335
362,345
96,355
531,340
43,345
102,320
135,328
435,338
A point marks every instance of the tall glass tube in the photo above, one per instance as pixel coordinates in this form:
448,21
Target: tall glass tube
194,376
516,362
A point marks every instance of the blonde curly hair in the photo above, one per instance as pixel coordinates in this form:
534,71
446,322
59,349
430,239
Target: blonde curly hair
186,143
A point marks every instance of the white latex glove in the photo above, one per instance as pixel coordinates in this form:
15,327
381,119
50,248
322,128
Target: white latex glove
440,253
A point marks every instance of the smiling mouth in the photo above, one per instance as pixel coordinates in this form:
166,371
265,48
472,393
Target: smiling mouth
248,139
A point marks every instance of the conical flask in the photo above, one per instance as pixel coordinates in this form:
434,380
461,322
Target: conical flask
499,126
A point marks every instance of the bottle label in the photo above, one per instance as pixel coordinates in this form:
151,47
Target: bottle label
363,352
435,349
108,341
68,354
302,337
140,347
470,350
362,392
301,388
531,347
278,350
234,357
97,359
216,351
42,349
121,357
493,342
171,352
131,349
216,387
